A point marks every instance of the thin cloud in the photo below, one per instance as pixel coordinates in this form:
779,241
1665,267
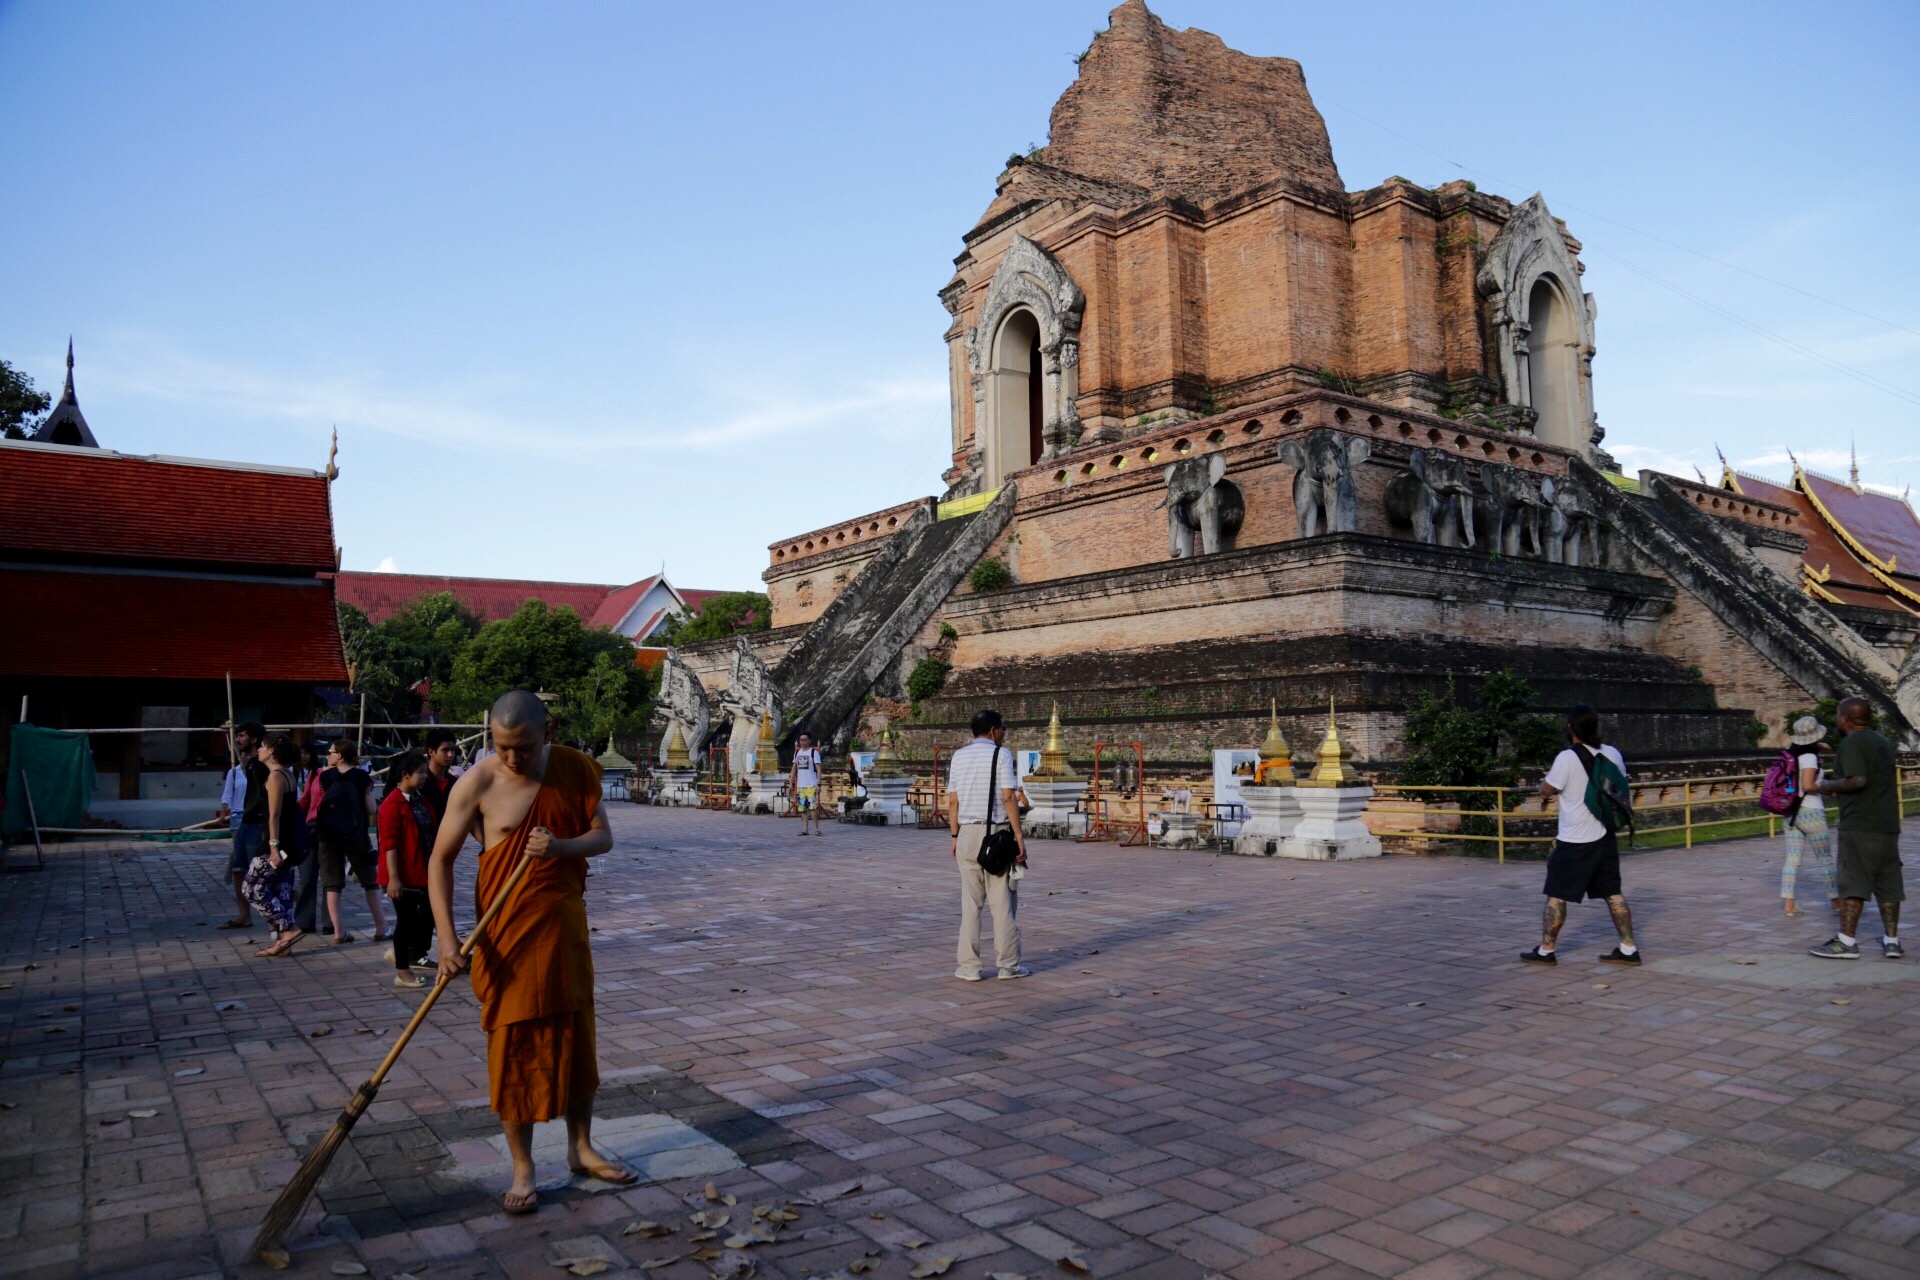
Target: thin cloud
888,406
387,565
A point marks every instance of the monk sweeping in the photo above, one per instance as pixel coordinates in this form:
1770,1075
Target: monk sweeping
532,968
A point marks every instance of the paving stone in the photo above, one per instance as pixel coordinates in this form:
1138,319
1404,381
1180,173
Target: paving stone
1312,1070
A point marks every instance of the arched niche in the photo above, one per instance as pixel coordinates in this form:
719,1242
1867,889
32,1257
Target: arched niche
1553,366
1542,326
1023,357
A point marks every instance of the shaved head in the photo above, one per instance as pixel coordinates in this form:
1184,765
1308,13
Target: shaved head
1856,712
518,708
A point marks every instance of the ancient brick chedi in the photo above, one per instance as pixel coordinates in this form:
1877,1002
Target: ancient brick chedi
1230,435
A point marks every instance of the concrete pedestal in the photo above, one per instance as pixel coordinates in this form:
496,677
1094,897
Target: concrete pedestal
1272,814
1331,827
886,804
1180,831
1052,816
675,787
763,794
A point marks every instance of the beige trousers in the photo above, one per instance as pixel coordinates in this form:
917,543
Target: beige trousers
978,889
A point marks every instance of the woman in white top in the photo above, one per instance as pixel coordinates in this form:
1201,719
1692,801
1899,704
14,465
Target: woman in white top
1807,831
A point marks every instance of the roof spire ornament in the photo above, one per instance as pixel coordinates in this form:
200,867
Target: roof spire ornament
1333,767
677,756
65,424
886,761
333,452
68,392
1853,466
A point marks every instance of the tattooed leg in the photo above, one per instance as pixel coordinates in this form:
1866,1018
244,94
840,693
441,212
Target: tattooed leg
1550,921
1622,918
1850,915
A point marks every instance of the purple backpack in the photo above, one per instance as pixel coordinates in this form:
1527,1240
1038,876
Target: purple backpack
1780,792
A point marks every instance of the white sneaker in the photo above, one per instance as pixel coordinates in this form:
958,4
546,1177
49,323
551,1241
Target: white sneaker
387,955
966,977
1018,971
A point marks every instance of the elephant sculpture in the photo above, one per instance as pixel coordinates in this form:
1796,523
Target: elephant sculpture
1510,510
1434,497
1200,497
1323,496
1572,525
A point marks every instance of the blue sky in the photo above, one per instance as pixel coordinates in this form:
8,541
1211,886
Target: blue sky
589,288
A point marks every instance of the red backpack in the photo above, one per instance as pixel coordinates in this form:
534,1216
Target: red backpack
1780,792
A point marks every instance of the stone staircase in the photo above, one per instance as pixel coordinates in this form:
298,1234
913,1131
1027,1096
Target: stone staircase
825,676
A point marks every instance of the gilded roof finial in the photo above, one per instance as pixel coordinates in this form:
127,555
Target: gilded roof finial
1333,767
1053,756
677,755
1276,757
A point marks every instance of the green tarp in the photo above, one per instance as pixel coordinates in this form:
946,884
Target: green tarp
59,767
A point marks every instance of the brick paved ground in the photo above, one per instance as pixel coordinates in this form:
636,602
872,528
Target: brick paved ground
1232,1067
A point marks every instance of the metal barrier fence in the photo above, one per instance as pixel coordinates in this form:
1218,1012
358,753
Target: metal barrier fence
1513,816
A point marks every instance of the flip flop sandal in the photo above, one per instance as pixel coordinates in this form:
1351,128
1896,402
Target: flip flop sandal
282,949
624,1177
236,924
520,1211
343,940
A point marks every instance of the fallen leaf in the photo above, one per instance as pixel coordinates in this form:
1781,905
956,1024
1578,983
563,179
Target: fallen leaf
938,1267
706,1253
225,1006
650,1230
729,1199
348,1268
143,1115
698,1236
1843,1002
738,1242
1603,986
913,1242
876,1216
712,1192
1416,1004
190,1071
590,1266
1746,962
789,1215
860,1266
317,1032
1113,994
1015,1275
1071,1263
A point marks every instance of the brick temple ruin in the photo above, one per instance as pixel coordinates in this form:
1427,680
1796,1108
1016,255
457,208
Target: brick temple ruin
1239,435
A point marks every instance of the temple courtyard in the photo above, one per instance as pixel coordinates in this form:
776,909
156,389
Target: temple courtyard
1220,1067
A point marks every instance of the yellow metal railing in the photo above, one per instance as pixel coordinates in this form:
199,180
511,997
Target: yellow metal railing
1698,802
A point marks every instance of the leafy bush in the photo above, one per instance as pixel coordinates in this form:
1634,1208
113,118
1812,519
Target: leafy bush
947,632
1486,745
928,677
990,575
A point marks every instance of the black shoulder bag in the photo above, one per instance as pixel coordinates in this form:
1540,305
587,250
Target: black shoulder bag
1000,848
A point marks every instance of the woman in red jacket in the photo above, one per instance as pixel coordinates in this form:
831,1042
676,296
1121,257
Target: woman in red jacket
407,826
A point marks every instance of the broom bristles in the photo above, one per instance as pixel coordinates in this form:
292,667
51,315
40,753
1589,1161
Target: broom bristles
294,1196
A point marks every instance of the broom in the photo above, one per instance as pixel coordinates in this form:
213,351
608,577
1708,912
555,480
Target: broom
268,1246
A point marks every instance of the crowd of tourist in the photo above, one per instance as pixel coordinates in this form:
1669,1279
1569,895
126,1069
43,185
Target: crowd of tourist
304,822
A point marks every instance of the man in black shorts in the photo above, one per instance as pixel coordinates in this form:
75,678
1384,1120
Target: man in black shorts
1868,863
1585,862
340,836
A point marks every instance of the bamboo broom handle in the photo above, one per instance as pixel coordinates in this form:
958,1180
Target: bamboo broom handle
440,983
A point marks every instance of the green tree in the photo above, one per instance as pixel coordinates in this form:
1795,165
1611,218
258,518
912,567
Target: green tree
1484,745
21,405
550,650
419,642
722,615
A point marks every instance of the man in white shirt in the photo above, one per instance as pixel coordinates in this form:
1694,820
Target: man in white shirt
233,803
983,792
1585,862
803,782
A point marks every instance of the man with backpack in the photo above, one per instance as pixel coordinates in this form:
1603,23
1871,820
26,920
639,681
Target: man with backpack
1868,865
1591,781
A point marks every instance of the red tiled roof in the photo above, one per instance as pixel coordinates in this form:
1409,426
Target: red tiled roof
76,623
381,595
94,505
695,597
1849,580
615,606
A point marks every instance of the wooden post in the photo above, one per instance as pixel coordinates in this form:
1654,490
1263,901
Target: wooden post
233,750
361,740
33,820
1686,800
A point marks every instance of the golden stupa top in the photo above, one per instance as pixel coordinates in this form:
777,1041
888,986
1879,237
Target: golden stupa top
1333,761
1276,756
677,755
1053,756
886,761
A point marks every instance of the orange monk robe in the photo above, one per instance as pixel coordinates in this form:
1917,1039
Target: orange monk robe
532,968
